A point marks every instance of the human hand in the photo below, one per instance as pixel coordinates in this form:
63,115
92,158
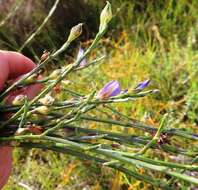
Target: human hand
12,66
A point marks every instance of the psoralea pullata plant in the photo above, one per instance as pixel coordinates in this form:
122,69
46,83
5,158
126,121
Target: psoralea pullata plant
37,123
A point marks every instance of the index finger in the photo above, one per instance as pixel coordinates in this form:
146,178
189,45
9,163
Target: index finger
12,65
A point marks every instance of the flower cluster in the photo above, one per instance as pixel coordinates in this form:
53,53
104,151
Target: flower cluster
113,88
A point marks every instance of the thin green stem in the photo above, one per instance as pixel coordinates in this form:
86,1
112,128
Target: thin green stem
48,88
24,116
38,30
11,13
85,156
155,138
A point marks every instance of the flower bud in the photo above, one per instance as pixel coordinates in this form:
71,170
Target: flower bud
44,110
19,100
47,100
33,116
45,55
55,74
65,83
31,78
142,85
75,32
21,131
79,56
105,16
111,89
155,91
35,129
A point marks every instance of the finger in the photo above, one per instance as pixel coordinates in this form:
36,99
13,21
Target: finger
18,64
4,70
5,164
12,65
31,91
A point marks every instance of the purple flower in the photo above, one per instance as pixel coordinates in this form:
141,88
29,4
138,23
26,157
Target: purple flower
112,88
142,85
80,54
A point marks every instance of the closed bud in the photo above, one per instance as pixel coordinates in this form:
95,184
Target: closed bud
33,116
105,16
45,55
83,62
19,100
75,32
15,143
65,83
155,91
55,74
31,78
21,131
142,85
47,100
44,110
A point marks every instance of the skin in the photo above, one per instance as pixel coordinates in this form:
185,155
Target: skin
12,66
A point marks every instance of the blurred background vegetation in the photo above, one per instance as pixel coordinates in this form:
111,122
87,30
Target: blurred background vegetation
153,39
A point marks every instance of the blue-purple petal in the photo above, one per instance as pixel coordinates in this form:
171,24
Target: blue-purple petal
110,89
142,85
80,54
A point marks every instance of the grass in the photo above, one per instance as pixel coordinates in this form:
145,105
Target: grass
153,40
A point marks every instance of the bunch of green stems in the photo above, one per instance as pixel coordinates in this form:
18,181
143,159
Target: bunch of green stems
117,150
